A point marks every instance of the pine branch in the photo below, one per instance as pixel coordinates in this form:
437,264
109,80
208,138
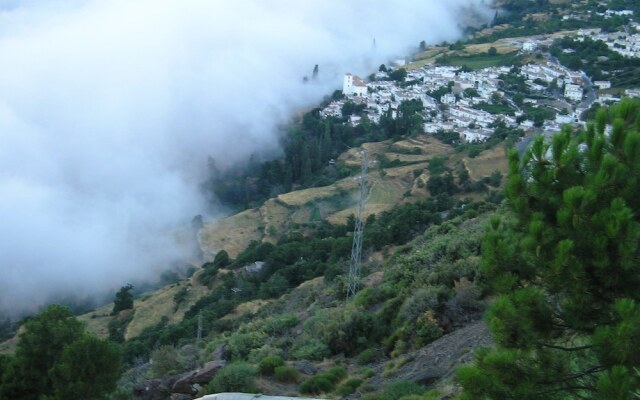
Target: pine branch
552,346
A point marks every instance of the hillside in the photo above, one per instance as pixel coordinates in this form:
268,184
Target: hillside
380,337
296,210
286,323
388,186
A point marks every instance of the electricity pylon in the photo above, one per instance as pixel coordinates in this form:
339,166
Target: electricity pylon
356,247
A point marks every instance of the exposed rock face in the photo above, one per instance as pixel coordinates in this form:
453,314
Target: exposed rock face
191,382
178,396
155,389
207,372
218,353
178,387
184,385
439,359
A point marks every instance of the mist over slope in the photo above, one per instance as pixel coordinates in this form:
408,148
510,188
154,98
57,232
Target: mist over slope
109,110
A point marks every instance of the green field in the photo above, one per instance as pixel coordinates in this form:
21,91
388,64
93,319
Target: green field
479,61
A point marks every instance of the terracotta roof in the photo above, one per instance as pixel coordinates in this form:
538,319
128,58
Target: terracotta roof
358,82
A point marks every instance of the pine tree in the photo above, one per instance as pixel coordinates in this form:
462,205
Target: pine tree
565,266
123,299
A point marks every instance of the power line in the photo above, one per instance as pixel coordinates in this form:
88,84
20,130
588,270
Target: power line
356,247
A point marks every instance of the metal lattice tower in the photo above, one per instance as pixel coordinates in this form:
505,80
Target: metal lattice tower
199,335
356,247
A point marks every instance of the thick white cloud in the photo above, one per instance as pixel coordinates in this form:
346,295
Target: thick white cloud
109,110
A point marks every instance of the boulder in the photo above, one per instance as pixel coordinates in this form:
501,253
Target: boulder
179,396
184,385
207,372
155,389
218,353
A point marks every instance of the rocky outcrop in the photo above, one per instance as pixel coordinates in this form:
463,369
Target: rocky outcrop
438,360
154,389
178,387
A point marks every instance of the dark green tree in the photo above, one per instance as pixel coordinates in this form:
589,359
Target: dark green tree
565,266
39,349
123,299
398,74
88,369
55,359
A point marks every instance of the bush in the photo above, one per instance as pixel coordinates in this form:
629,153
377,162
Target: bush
421,301
367,356
337,373
349,387
240,345
269,364
367,373
400,389
165,362
286,374
324,382
316,385
236,377
313,350
280,325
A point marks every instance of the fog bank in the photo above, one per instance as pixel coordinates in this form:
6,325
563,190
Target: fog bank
109,110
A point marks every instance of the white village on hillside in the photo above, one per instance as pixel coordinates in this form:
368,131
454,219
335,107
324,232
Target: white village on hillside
463,95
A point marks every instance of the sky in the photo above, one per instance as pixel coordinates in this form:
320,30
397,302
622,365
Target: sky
109,111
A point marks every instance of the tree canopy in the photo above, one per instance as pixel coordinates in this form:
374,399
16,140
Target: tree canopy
565,266
56,359
123,299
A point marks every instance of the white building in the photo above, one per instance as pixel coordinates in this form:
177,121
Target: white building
627,13
573,92
352,85
448,98
529,46
564,119
632,92
602,84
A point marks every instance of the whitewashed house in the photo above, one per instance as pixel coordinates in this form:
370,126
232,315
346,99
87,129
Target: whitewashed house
602,84
449,99
352,85
573,92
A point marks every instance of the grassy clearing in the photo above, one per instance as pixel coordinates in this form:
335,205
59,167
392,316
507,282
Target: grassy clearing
385,192
232,233
97,321
248,308
486,163
503,46
480,61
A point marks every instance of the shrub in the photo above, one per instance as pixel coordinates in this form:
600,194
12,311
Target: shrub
286,374
400,389
280,325
337,373
324,382
165,361
349,387
313,349
367,373
316,384
269,364
236,377
421,301
240,344
256,355
367,356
